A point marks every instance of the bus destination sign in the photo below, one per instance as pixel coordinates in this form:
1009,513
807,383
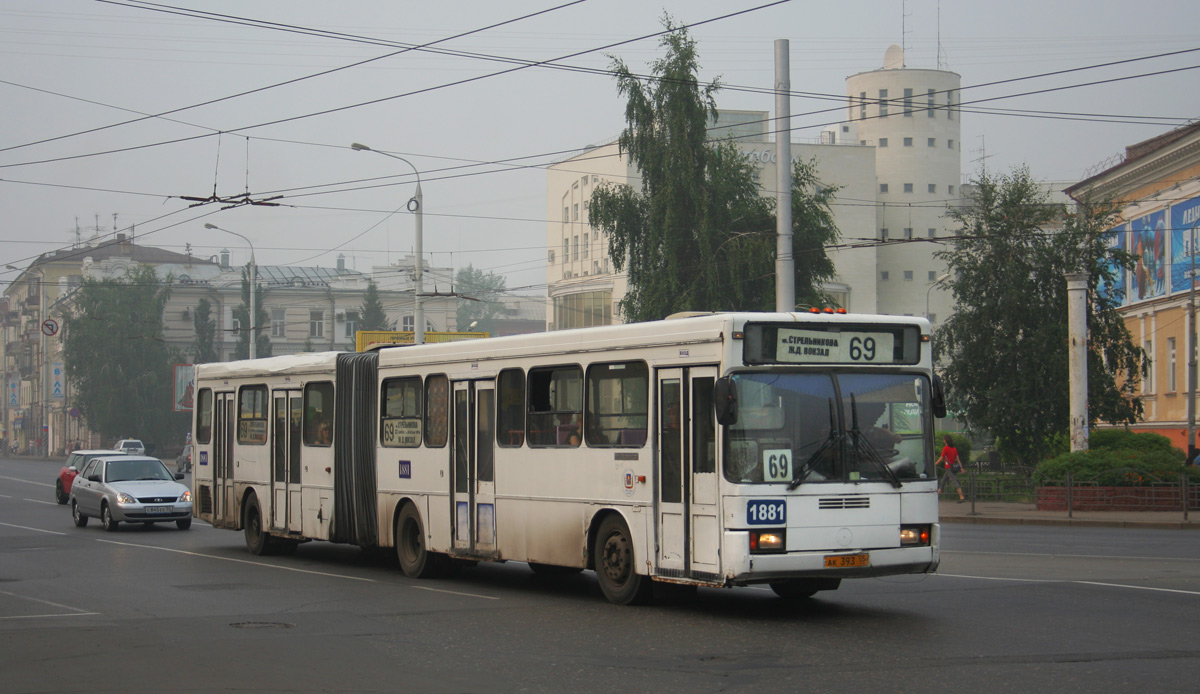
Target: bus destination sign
809,346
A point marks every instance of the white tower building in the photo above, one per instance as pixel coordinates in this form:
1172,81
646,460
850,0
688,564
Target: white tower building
911,118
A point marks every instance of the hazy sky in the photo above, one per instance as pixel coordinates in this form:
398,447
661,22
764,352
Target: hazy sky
72,66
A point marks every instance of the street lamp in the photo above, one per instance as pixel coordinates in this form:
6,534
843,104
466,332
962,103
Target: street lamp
253,287
416,206
933,284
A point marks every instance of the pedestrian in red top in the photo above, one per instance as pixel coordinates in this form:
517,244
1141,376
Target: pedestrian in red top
949,459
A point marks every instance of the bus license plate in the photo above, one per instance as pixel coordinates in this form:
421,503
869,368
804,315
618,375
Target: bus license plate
846,561
158,509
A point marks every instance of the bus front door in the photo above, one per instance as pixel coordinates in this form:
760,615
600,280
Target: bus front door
473,482
223,425
687,523
285,462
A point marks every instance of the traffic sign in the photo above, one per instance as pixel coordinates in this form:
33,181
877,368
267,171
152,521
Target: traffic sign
50,327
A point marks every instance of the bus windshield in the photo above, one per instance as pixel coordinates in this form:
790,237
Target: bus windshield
800,428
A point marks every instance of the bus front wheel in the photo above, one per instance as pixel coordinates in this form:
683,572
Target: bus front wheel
616,566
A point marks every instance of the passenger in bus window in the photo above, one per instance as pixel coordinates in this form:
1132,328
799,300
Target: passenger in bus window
324,434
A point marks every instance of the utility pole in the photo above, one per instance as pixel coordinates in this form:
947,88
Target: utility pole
785,261
1077,284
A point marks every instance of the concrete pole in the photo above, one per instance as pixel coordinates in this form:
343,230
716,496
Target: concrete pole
785,262
1191,348
1077,336
418,310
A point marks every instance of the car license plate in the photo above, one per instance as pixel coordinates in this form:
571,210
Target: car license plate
845,561
158,509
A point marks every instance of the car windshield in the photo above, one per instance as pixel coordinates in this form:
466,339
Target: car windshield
798,428
125,470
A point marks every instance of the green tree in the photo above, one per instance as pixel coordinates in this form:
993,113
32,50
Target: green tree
372,316
479,298
204,347
1005,347
263,345
699,235
120,368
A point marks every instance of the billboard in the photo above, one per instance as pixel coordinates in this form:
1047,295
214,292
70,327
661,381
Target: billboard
1184,218
185,387
1114,238
1148,236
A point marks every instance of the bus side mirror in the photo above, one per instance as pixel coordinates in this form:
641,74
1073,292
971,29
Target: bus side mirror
725,401
938,398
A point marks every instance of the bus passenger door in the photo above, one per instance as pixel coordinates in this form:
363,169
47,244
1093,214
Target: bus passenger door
473,473
285,462
223,425
688,519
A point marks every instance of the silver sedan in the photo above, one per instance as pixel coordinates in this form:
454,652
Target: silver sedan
131,489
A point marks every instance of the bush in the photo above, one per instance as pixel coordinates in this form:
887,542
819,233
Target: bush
1118,458
959,441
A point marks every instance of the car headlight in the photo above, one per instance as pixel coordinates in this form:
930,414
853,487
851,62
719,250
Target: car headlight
124,498
186,496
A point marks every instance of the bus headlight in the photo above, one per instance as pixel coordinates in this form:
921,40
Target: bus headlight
767,541
914,535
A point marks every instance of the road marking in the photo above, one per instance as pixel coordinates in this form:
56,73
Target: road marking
39,501
77,611
1070,556
240,561
18,479
455,592
1083,583
36,530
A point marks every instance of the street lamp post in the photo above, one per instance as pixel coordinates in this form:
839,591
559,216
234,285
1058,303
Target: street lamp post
416,206
253,286
1191,342
933,284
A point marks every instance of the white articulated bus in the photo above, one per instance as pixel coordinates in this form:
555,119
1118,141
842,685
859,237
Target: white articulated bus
719,450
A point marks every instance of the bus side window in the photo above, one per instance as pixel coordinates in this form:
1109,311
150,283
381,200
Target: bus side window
318,414
511,396
555,406
400,420
437,410
617,404
204,416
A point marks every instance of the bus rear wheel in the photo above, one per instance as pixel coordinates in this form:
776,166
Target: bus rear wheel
415,560
800,588
616,566
257,540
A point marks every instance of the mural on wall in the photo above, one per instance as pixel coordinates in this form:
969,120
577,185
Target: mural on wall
1184,233
1115,238
1148,235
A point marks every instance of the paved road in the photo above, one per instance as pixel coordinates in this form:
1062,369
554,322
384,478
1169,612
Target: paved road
158,609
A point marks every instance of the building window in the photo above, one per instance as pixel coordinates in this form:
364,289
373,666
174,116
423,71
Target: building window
949,144
566,249
575,247
908,233
932,187
950,190
908,142
583,310
586,244
407,323
1148,384
932,142
595,267
575,212
883,276
949,104
550,256
932,274
566,215
932,234
908,187
883,234
316,324
883,142
908,102
351,324
883,188
278,326
862,105
908,275
929,103
1170,365
883,104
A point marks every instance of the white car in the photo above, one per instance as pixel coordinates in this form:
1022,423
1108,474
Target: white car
131,447
130,489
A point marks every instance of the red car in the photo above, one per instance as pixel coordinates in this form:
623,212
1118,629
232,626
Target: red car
66,476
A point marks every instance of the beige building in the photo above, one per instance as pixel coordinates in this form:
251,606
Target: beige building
896,159
1159,180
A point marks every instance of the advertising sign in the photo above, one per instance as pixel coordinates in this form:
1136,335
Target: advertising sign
1149,238
185,387
1116,290
1184,219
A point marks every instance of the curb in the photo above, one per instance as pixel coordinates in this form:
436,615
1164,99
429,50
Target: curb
1072,522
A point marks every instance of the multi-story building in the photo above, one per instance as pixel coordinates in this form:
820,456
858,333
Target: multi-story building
307,308
896,158
1158,185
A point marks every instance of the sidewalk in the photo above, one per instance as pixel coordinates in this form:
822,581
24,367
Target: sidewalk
1002,513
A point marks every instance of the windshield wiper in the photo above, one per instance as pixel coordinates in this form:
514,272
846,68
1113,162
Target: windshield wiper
811,462
863,448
